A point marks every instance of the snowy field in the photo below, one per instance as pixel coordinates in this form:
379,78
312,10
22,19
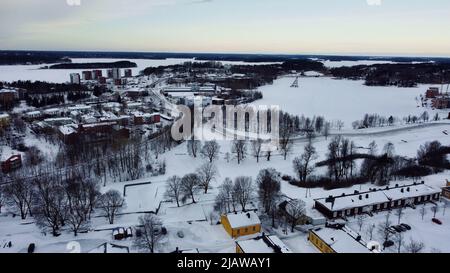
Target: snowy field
344,100
11,73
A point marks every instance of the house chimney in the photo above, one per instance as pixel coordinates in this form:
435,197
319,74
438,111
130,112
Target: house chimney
248,215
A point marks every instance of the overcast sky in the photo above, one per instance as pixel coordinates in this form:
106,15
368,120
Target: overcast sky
395,27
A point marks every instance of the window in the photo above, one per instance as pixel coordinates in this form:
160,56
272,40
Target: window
238,231
246,230
254,228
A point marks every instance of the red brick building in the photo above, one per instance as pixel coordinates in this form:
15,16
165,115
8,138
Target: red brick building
432,93
441,103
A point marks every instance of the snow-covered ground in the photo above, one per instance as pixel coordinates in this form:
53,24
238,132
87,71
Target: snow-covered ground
344,100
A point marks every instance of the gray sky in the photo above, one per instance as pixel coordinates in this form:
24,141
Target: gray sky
378,27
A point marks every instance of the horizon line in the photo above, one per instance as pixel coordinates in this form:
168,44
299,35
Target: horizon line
374,55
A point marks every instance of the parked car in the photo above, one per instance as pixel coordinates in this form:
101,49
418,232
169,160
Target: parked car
437,221
391,230
402,228
408,227
397,229
388,243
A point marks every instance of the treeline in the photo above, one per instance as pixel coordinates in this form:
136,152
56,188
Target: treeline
120,64
45,100
376,120
20,57
401,75
39,87
347,167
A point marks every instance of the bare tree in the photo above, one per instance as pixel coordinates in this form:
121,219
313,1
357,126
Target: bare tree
370,230
227,157
414,246
227,188
399,213
296,209
435,210
207,173
257,148
360,221
212,217
193,147
399,240
151,233
111,203
302,164
383,228
269,187
221,203
243,190
2,199
210,150
76,218
50,205
19,193
326,130
285,141
423,211
239,148
339,125
173,189
189,187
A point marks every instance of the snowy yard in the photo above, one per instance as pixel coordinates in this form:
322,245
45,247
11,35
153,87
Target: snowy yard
344,100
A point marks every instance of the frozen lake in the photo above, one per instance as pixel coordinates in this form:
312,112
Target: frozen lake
10,73
341,99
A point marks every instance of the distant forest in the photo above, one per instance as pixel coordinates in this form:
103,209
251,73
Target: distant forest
406,72
121,64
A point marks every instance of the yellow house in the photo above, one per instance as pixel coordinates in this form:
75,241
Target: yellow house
328,240
241,224
446,190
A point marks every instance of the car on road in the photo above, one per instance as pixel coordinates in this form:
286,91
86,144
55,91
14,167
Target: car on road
408,227
391,230
397,229
437,221
388,243
402,228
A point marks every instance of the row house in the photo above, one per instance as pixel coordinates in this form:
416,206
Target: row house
376,200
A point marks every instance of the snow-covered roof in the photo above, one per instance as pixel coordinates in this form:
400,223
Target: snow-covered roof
380,196
410,191
264,244
3,116
58,120
79,107
243,219
7,91
33,113
66,130
51,110
341,241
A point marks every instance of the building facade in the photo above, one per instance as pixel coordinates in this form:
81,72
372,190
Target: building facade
344,240
376,200
241,224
